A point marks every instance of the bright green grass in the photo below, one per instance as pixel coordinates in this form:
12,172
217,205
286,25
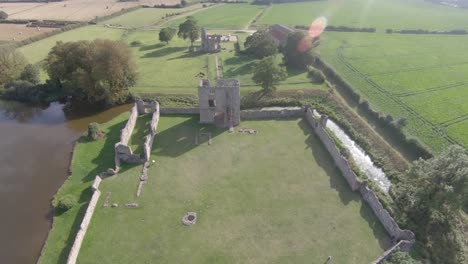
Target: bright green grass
418,77
146,16
229,16
381,14
256,201
90,158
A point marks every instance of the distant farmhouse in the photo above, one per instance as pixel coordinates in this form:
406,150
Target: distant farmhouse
280,34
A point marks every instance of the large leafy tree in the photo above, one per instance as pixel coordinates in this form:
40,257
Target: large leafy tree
3,15
432,196
298,50
31,74
401,258
268,73
12,63
261,44
166,34
99,71
189,30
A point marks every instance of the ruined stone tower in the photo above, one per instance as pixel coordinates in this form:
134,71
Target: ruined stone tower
219,105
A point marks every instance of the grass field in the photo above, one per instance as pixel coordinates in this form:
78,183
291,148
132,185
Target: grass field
381,14
420,78
17,32
252,206
229,16
90,159
146,16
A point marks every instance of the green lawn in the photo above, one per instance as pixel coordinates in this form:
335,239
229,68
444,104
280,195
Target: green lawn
90,158
146,16
142,129
229,16
418,77
256,201
381,14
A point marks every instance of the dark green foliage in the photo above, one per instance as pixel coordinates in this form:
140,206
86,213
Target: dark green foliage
25,91
166,34
94,131
298,50
316,76
3,15
400,258
99,71
268,73
66,202
433,193
136,43
183,2
31,74
261,44
189,30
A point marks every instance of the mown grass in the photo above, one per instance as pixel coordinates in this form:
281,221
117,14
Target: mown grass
90,158
229,16
256,201
420,78
141,130
381,14
146,16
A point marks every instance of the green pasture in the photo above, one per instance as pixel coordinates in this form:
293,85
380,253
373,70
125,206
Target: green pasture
146,16
381,14
90,158
228,16
252,206
418,77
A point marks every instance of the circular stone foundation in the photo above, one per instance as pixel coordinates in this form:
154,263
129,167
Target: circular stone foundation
190,218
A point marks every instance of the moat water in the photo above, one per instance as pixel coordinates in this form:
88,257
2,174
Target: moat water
35,146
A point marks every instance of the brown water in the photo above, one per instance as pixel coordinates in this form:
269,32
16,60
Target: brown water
35,145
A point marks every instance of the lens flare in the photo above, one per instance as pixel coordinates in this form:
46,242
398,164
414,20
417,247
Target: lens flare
317,27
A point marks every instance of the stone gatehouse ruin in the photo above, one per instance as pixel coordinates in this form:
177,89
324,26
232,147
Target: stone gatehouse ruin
210,43
219,105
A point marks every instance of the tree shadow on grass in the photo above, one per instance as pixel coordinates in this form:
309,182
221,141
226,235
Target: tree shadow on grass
294,71
141,130
163,52
151,47
187,55
325,161
181,138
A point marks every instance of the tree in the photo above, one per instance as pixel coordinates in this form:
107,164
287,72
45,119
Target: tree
431,197
166,34
99,71
261,44
3,15
12,64
298,50
268,73
401,258
183,3
31,74
189,30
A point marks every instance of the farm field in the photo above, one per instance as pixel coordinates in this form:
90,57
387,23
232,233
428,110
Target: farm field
146,16
421,78
252,207
381,14
11,32
229,16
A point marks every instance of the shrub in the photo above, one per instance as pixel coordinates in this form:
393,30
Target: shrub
316,76
3,15
31,74
135,43
66,202
94,131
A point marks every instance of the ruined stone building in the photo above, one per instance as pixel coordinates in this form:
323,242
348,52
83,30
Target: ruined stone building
210,43
219,105
280,34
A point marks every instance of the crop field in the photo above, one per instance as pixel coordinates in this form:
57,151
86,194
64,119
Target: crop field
418,77
252,207
381,14
17,32
229,16
147,16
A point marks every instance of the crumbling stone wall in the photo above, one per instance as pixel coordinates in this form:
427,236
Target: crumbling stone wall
75,250
179,111
402,245
272,113
367,194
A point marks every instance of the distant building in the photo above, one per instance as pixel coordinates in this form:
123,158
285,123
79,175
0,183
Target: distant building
210,43
219,105
280,34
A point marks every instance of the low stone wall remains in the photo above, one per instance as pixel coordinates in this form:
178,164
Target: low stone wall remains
387,221
75,250
272,113
179,111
